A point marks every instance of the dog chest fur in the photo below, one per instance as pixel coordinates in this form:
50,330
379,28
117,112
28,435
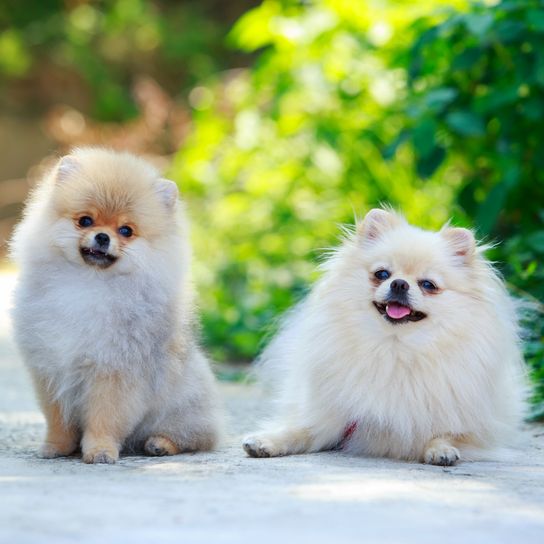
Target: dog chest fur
118,322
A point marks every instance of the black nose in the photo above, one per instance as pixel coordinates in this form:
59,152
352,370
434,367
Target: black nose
102,239
399,286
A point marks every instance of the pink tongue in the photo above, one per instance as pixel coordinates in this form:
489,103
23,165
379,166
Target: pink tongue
397,311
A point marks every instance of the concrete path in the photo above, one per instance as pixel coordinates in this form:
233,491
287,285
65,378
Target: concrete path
226,497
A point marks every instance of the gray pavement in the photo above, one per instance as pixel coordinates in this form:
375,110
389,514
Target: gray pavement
225,497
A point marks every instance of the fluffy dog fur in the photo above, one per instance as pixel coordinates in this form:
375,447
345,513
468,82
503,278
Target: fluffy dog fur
434,379
106,328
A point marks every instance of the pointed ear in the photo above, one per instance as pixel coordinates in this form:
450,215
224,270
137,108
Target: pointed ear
461,242
376,222
66,167
168,192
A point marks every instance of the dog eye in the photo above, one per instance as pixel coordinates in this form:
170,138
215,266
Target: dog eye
428,285
125,231
382,274
85,221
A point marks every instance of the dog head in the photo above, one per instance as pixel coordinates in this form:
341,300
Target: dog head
402,280
109,209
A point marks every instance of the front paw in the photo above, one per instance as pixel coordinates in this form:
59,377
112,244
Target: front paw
443,454
52,451
100,455
256,446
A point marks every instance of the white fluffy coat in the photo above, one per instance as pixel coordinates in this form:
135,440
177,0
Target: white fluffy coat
449,385
129,326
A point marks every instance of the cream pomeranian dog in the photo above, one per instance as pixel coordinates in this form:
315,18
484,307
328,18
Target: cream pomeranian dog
103,313
406,348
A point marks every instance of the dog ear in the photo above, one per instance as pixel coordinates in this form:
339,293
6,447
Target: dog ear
66,167
461,242
376,222
168,192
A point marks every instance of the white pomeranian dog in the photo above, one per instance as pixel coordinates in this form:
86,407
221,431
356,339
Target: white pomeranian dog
103,313
406,348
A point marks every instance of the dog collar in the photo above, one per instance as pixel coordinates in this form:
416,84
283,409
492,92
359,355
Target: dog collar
349,429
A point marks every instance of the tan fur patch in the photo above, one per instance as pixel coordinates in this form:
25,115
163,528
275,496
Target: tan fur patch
111,415
161,445
61,438
114,189
108,224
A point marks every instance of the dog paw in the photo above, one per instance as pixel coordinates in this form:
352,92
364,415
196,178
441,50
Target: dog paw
444,455
100,456
159,445
260,447
52,451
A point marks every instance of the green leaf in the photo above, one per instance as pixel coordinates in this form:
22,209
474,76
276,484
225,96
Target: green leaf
533,109
536,241
497,98
389,151
479,24
539,68
426,166
423,137
466,197
509,30
535,18
489,210
15,60
467,58
438,99
465,123
253,29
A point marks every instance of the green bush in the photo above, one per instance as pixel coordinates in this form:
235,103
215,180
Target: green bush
476,101
88,53
282,154
350,104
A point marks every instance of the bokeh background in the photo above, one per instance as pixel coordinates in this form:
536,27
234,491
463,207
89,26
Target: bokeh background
282,120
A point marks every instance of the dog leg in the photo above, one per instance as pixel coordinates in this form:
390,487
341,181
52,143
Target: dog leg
62,438
288,441
182,432
441,451
113,410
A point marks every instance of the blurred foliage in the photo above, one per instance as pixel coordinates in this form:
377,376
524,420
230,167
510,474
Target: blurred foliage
350,104
476,100
283,153
87,53
433,106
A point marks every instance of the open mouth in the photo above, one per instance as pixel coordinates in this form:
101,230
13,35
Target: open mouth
97,257
395,312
